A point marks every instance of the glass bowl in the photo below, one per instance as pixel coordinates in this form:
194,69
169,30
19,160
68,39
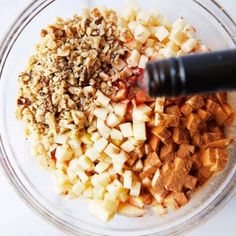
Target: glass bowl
216,29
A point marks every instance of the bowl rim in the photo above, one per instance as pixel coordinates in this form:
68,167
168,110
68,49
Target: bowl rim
8,41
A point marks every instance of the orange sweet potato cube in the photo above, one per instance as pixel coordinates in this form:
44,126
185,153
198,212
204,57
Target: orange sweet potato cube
153,160
204,115
196,102
180,135
193,122
186,109
180,198
173,110
154,142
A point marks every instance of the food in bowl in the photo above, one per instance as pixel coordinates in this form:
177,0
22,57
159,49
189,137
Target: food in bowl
104,139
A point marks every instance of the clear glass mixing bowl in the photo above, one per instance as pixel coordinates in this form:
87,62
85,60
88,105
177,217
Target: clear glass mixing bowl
214,27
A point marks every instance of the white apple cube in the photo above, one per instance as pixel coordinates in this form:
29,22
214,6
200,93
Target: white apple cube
141,33
85,163
142,113
115,188
95,136
129,210
83,176
63,153
86,139
126,129
167,52
100,144
101,113
112,120
189,45
133,58
102,99
142,62
62,139
155,177
120,109
103,129
112,150
149,51
127,146
92,153
159,104
127,179
143,17
135,189
110,204
132,25
96,208
139,129
88,193
161,33
138,166
78,188
101,179
101,167
116,134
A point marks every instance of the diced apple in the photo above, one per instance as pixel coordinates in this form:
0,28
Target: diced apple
100,144
96,208
101,167
127,179
110,204
102,179
78,188
136,201
116,134
133,58
159,106
139,129
161,33
159,209
121,94
102,99
189,45
101,113
135,189
142,113
120,109
63,153
95,136
85,163
86,139
112,150
112,120
115,188
141,33
142,62
127,146
88,193
119,159
103,129
126,129
129,210
83,176
92,153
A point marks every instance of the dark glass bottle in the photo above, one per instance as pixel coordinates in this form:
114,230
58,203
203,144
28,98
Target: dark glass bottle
192,74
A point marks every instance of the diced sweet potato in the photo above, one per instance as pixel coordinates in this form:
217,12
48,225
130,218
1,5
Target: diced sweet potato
173,110
204,115
208,157
154,142
180,198
196,102
185,150
222,143
220,116
162,133
153,160
190,182
186,109
193,122
167,152
148,172
212,106
180,135
211,137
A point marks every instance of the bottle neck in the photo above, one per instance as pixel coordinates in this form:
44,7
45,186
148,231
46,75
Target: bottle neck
192,74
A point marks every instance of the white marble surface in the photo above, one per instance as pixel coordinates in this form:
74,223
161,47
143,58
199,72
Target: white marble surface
16,219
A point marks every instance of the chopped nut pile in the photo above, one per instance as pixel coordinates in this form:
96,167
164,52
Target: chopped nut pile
104,139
